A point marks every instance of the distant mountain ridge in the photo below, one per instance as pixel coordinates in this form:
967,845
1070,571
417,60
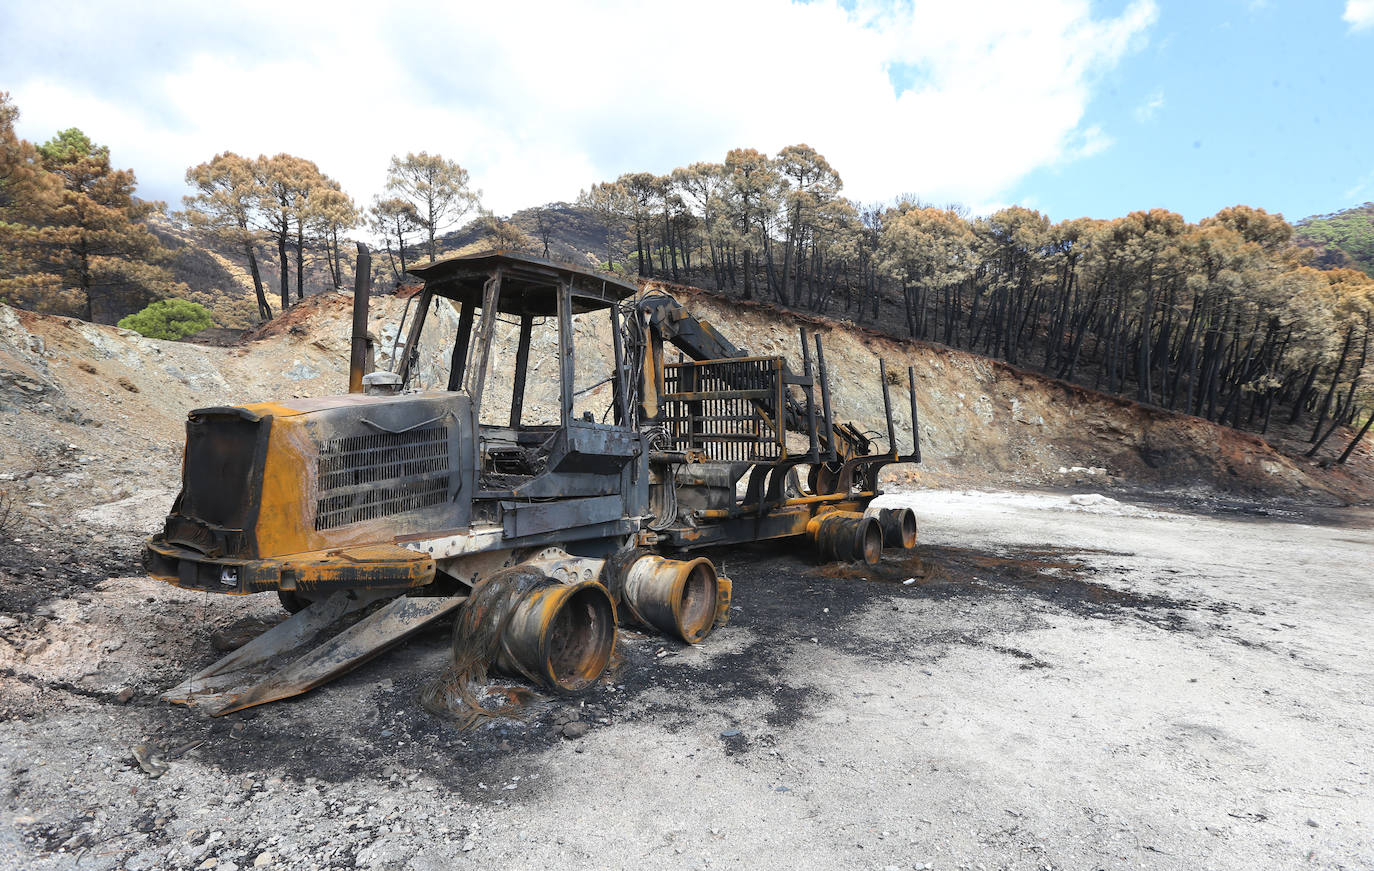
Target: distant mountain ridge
572,233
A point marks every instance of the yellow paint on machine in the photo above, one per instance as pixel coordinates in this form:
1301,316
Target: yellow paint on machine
286,516
332,568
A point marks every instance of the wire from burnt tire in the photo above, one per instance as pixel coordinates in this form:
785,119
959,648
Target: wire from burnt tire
479,633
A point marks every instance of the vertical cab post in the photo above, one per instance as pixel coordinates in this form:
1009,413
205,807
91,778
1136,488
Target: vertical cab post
565,351
459,361
362,287
522,365
622,407
474,380
476,376
413,339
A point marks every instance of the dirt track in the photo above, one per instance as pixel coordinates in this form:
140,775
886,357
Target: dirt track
1062,685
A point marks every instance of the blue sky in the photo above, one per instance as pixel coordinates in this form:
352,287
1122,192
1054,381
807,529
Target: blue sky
1268,104
1072,107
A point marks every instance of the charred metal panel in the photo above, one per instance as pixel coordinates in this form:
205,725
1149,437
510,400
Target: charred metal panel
703,486
221,481
379,501
398,459
590,448
520,519
282,478
221,457
371,566
597,539
563,486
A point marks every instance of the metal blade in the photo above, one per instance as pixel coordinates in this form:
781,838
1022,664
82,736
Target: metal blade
347,650
290,633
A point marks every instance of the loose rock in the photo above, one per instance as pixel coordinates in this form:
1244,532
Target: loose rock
575,729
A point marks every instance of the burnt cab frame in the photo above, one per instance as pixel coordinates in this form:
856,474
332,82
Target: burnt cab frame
597,464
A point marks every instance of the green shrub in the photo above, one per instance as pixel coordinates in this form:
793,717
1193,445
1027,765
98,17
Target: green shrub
169,319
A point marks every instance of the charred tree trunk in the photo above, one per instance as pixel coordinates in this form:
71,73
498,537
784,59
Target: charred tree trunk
285,269
300,262
1335,379
1306,391
1350,448
264,307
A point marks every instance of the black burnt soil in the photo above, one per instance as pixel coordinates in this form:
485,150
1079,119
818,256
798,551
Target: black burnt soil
784,601
36,566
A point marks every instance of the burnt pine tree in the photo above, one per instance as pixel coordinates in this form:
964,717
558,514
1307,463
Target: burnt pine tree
94,237
225,205
438,189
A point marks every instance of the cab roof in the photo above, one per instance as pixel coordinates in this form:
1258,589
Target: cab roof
529,284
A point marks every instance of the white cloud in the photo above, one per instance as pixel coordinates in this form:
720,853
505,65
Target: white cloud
540,104
1147,110
1085,143
1359,14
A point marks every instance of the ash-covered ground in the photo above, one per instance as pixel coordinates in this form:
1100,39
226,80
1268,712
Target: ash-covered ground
1179,679
1048,681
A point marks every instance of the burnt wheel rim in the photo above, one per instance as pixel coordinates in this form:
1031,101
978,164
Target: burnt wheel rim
697,607
907,524
580,638
868,541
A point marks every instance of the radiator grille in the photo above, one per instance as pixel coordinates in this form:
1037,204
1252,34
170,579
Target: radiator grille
370,476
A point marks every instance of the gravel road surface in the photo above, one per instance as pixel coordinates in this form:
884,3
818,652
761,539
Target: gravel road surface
1050,681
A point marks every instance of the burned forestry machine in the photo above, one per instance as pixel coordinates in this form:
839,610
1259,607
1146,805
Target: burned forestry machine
535,537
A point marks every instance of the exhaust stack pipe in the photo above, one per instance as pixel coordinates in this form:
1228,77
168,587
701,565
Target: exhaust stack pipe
362,288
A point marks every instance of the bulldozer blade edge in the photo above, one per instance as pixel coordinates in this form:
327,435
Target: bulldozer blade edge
347,650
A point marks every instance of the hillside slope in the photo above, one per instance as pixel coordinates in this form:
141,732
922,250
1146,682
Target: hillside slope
985,423
572,233
218,276
94,415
